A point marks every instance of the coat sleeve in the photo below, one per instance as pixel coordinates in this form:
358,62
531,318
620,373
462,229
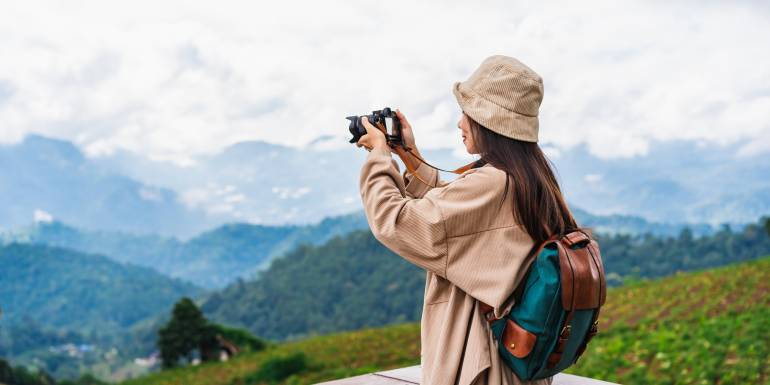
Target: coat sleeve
418,229
411,227
415,188
460,231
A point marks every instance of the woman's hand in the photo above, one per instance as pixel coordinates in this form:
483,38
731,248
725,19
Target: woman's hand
410,158
374,138
406,132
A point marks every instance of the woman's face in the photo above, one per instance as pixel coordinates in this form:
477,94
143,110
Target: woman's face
465,126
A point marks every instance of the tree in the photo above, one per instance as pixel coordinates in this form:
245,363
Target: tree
183,334
6,372
188,331
19,375
767,225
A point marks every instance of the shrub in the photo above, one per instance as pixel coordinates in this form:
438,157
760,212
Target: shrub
278,368
86,379
240,337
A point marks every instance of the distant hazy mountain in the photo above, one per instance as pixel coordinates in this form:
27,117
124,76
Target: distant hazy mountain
674,183
261,183
634,225
211,259
62,288
43,179
258,182
217,257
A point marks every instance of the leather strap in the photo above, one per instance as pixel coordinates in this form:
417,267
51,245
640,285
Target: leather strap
561,343
402,149
488,312
595,320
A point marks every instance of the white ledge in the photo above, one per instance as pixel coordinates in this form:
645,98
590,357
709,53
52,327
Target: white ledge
411,376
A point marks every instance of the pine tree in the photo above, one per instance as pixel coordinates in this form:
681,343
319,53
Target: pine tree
183,334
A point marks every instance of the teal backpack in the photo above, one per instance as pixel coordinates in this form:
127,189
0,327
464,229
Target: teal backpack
557,308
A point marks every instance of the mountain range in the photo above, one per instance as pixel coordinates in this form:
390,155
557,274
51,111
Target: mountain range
211,259
273,238
217,257
68,301
45,179
674,182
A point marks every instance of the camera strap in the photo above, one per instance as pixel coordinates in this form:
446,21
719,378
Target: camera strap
402,149
413,170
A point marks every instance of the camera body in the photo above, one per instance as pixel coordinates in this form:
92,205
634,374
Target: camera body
385,118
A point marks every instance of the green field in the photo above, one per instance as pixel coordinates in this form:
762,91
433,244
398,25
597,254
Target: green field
707,327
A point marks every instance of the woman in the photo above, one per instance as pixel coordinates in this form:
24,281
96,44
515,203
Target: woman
473,236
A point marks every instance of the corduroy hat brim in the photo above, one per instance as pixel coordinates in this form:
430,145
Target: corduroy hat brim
494,117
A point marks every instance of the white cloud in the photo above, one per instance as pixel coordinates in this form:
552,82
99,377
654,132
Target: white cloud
213,199
592,178
235,198
41,216
193,198
290,193
175,79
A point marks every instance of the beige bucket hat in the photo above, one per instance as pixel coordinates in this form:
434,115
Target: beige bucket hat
503,95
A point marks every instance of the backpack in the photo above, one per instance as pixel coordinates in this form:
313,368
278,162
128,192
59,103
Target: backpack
557,307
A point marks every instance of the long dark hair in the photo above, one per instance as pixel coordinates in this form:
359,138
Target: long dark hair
538,204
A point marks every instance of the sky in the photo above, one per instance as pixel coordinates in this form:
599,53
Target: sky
172,80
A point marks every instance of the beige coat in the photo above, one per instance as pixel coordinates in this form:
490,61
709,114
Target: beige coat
464,235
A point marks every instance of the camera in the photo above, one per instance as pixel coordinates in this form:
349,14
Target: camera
385,118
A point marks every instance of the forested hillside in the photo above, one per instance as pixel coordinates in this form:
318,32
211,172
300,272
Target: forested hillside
336,286
216,258
348,283
65,288
648,256
83,304
353,281
706,327
211,259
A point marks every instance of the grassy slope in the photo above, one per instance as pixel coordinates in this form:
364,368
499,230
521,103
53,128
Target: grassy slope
695,328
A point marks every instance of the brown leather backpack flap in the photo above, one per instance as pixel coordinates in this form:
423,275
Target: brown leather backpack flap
518,341
582,274
593,248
